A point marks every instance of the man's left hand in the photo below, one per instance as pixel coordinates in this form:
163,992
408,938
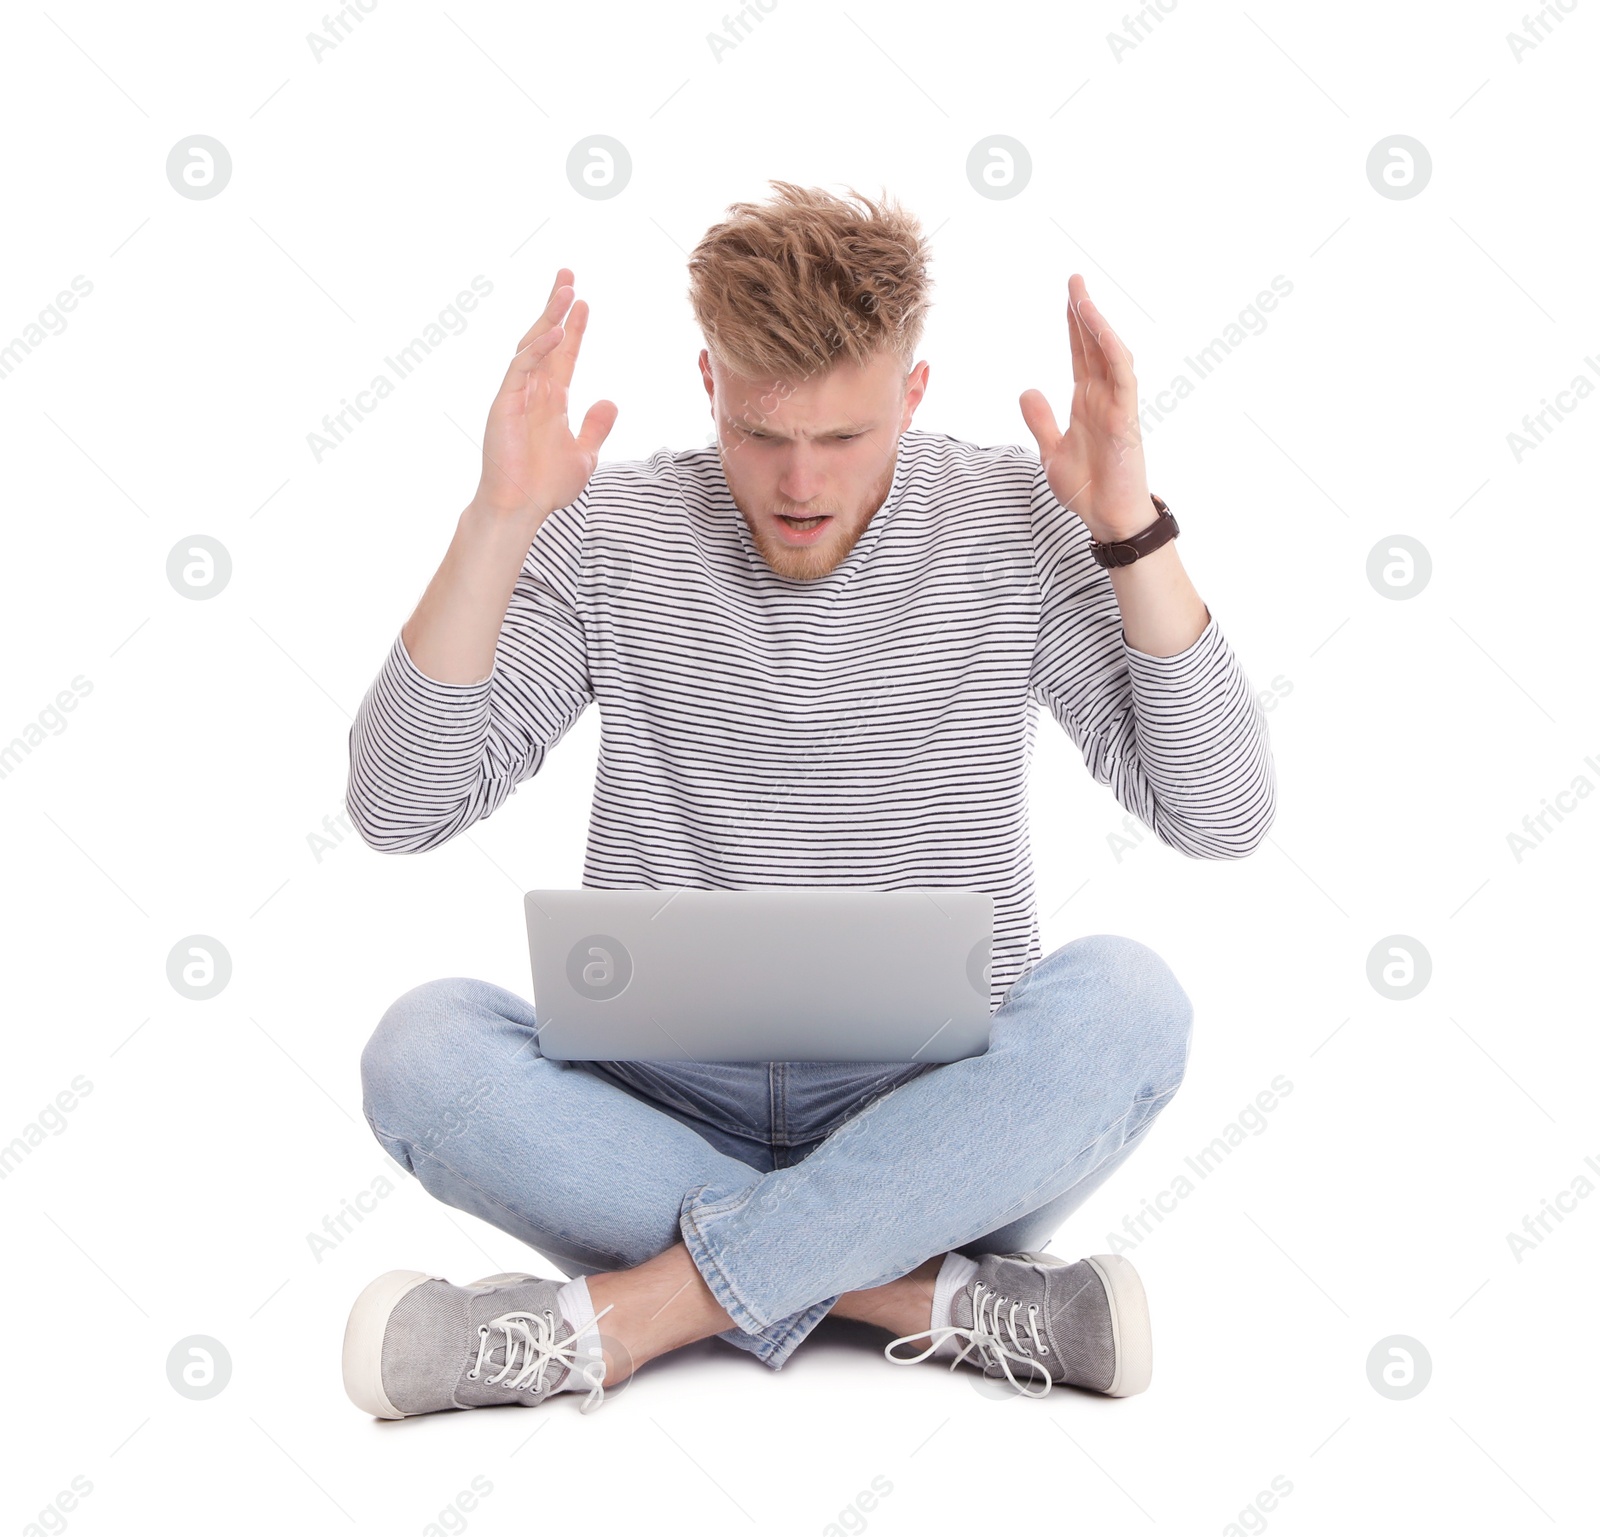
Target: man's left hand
1096,467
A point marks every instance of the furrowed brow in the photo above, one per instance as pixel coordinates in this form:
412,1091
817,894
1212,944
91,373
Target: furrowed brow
825,432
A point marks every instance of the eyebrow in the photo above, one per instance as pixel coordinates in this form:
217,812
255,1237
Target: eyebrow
826,432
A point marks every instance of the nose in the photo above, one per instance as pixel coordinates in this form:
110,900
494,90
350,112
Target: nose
802,479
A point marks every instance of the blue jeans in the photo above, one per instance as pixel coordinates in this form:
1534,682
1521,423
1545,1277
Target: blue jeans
790,1183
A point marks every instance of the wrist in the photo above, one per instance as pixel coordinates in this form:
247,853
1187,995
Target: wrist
1122,549
496,519
1126,524
494,544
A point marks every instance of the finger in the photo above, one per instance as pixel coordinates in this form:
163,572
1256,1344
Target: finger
565,355
563,280
598,421
1094,365
1119,361
554,308
542,337
1041,421
1080,364
529,356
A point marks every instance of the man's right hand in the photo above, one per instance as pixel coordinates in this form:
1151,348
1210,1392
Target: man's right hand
532,464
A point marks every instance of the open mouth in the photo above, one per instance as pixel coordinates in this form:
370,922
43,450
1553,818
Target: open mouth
803,530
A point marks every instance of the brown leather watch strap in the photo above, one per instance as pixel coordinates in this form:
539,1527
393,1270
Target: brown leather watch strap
1123,552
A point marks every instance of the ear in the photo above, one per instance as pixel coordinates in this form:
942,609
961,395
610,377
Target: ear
706,375
916,388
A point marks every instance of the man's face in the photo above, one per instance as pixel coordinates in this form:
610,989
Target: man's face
818,447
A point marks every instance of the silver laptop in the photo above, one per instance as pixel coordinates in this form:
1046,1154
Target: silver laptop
761,974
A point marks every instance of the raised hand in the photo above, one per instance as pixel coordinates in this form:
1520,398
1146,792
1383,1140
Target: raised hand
1096,467
532,463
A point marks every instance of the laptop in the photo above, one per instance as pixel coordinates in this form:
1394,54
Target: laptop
761,974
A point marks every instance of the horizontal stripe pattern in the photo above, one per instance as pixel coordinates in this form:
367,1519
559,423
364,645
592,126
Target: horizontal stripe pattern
872,728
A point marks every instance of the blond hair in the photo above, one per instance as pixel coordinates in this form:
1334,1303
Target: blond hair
787,288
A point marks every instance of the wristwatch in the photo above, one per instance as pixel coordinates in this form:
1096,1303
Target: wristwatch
1123,552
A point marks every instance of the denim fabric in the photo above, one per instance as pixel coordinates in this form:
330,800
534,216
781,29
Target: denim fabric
791,1183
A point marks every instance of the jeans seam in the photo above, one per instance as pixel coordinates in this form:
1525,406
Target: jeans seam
778,1109
719,1282
864,1100
798,1330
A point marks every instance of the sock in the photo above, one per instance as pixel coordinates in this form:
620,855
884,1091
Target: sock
577,1307
956,1271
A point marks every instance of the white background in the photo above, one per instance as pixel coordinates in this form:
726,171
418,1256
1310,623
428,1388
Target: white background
1411,735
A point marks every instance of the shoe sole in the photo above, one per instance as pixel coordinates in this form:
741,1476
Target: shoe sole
363,1340
1130,1323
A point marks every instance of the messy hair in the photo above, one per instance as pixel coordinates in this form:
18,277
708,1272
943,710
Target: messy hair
787,288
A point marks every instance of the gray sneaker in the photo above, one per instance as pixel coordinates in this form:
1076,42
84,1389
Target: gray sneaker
415,1344
1086,1324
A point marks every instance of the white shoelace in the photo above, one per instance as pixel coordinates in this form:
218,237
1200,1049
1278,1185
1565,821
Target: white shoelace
985,1338
530,1342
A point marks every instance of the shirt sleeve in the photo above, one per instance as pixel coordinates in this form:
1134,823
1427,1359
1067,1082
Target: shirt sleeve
1180,740
428,759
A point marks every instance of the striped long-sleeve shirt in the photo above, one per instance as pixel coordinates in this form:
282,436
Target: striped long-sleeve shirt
871,728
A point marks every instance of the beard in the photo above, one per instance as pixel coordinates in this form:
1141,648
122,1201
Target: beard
838,538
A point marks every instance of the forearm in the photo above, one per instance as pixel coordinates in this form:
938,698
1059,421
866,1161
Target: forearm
1200,753
1162,614
418,752
453,632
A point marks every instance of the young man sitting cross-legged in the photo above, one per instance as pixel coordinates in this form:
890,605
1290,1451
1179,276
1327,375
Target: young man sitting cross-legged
819,647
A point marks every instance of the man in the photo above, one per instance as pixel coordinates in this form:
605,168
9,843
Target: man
818,648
